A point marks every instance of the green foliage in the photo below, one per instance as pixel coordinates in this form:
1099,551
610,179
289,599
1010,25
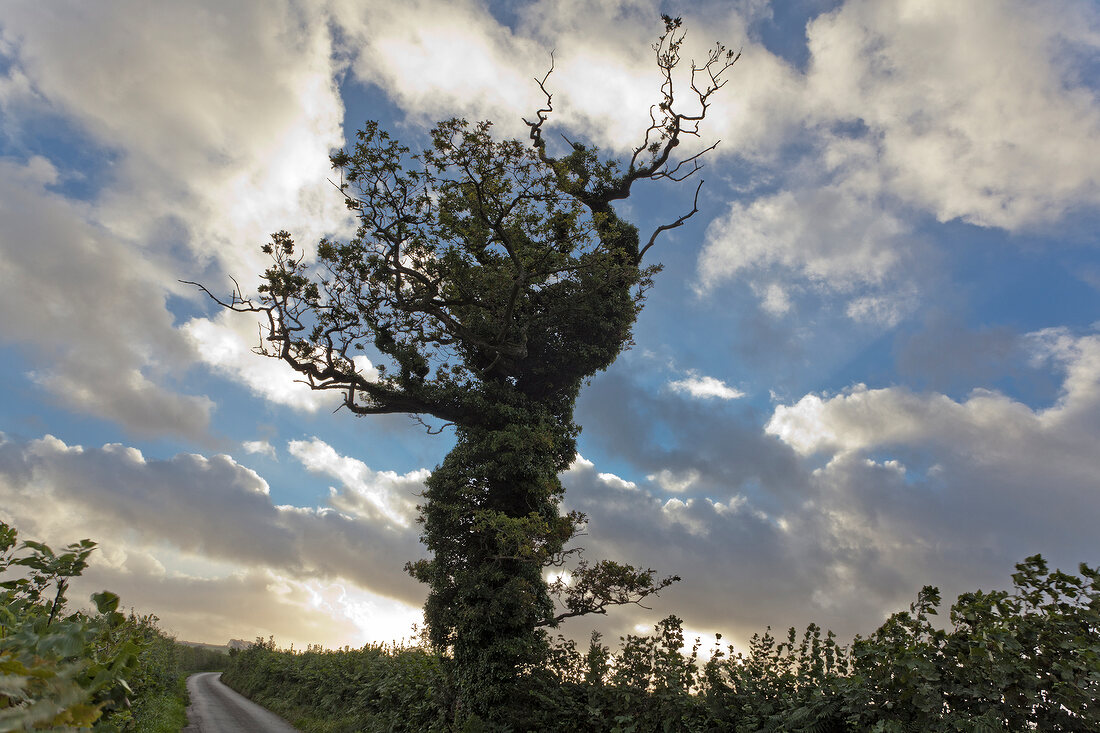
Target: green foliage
61,670
58,669
1011,661
376,688
201,659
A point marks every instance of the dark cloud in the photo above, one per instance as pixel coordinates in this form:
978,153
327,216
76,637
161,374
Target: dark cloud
666,430
210,507
859,501
946,355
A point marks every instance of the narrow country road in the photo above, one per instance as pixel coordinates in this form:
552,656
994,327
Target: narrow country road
217,709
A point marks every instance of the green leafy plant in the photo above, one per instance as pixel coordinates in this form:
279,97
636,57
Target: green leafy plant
58,669
66,670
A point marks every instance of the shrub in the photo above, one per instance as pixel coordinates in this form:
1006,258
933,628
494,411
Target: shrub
78,670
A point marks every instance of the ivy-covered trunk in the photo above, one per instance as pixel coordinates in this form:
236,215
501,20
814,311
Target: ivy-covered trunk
491,522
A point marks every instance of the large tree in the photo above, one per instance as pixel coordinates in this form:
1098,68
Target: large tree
491,278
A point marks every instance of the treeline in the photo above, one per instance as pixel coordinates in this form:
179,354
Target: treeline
101,670
1027,659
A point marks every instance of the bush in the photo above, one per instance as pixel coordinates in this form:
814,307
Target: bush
376,688
99,670
200,659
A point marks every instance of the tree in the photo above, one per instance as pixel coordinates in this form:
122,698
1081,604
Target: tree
493,278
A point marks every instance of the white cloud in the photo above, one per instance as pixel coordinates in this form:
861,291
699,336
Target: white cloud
197,155
705,388
862,417
682,513
87,305
226,342
200,135
775,300
261,447
983,424
887,310
365,492
616,482
439,60
580,463
977,107
831,229
986,114
673,481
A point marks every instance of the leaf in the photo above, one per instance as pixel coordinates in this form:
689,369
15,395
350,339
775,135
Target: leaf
105,601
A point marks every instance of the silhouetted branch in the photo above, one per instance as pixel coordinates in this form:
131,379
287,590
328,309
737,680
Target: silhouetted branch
679,222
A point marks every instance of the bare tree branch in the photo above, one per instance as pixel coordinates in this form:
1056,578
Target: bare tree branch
679,222
652,159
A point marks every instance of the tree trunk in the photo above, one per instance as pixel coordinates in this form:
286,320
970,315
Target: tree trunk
491,520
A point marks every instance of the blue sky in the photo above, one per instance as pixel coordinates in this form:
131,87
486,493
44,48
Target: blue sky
872,361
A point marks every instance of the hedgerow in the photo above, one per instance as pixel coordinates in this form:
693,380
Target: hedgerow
1028,659
376,688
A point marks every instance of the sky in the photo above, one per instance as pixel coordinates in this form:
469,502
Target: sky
871,363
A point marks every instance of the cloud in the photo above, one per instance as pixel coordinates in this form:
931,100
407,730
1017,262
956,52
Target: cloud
832,229
672,481
837,511
987,116
775,299
704,388
294,611
860,419
261,447
197,142
737,574
365,493
194,125
934,482
839,508
211,508
654,431
438,60
618,482
87,307
980,113
226,344
945,354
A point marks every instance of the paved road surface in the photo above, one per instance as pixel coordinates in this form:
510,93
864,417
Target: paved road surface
217,709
